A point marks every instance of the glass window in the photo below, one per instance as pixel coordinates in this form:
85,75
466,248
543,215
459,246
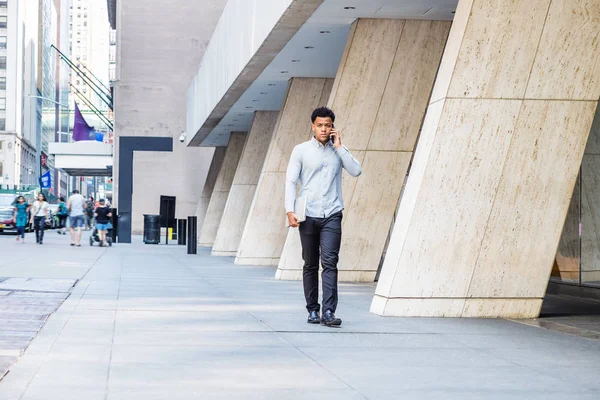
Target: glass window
1,169
2,104
3,83
577,259
3,4
2,124
3,22
2,42
2,62
1,141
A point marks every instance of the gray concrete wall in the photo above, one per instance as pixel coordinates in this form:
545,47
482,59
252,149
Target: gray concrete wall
160,46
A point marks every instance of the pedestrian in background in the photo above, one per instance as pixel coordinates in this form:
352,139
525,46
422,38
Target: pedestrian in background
89,212
21,217
76,207
40,215
103,215
62,215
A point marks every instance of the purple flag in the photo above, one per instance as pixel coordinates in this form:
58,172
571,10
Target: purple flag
81,129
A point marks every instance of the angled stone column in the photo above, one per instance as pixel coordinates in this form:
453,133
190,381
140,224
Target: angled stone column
244,184
501,145
208,233
380,97
209,185
265,231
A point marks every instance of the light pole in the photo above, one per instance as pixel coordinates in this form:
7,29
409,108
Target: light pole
47,99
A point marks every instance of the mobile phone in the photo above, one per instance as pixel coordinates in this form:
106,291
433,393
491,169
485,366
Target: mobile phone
330,136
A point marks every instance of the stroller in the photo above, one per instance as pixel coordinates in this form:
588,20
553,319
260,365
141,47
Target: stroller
94,237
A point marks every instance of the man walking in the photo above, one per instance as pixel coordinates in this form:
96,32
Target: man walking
76,207
318,164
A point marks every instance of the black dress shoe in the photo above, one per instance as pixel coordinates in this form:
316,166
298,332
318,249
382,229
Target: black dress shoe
314,317
329,319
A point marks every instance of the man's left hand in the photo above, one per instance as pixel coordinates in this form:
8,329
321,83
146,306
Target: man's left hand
337,138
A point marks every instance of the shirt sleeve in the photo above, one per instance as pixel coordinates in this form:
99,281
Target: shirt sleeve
291,179
349,163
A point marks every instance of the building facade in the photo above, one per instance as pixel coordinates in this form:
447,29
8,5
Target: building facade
474,121
20,112
89,33
152,74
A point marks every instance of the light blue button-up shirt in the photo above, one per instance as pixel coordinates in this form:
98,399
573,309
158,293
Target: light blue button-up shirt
319,169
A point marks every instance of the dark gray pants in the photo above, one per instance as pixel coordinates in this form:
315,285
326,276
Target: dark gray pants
39,226
321,238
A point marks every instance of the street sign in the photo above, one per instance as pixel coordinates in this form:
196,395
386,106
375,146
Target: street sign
46,180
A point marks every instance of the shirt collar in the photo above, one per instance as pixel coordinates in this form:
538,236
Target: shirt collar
315,142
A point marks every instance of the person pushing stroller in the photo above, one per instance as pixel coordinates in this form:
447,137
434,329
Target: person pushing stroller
103,215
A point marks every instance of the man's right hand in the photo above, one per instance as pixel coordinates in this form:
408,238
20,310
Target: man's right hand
293,220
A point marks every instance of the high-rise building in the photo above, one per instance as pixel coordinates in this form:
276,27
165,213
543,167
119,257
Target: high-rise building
20,107
89,35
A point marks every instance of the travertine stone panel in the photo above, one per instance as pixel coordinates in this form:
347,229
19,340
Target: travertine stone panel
267,224
380,97
409,197
524,226
364,78
454,308
304,95
220,193
462,175
213,218
255,150
409,84
495,59
496,163
211,179
246,178
264,231
234,216
567,64
452,50
369,214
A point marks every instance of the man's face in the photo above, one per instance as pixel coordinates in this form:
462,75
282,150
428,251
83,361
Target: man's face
322,129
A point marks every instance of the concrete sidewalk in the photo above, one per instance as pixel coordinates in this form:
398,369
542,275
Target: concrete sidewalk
150,322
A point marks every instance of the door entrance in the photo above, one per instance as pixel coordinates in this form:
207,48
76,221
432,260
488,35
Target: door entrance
167,213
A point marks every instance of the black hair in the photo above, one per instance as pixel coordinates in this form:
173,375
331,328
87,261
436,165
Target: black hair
75,191
322,112
43,196
61,198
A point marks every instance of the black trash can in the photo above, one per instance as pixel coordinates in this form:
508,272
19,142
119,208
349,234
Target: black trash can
151,229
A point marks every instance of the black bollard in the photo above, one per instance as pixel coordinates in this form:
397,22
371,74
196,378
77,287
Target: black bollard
181,232
192,240
115,223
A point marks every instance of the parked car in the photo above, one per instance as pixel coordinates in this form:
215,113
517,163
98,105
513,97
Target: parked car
7,212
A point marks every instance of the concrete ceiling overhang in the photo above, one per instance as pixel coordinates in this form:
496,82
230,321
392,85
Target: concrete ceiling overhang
88,172
311,49
292,19
85,158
